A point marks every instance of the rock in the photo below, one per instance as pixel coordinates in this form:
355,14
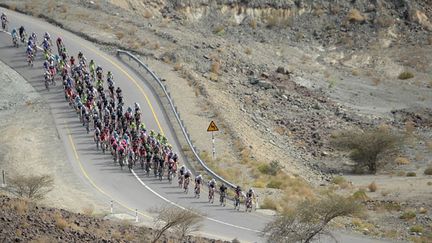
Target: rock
254,81
281,70
265,75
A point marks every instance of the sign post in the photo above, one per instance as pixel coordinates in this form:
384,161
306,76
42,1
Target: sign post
213,128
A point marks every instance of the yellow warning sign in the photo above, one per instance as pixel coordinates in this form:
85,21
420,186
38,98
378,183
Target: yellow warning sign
212,127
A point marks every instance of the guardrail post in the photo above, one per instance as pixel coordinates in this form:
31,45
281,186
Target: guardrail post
3,179
136,215
111,206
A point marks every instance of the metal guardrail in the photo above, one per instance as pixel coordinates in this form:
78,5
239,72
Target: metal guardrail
177,115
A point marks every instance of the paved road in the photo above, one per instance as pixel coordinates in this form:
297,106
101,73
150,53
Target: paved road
130,190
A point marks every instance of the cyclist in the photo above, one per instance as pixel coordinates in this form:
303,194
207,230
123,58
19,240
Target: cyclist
181,173
187,176
222,190
22,32
250,195
4,21
212,186
238,193
198,181
14,36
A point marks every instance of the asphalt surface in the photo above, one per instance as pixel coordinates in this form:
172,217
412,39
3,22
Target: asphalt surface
129,191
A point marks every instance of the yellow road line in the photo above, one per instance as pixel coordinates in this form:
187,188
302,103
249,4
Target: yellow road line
103,55
92,182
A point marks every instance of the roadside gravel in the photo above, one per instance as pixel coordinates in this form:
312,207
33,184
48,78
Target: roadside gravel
30,143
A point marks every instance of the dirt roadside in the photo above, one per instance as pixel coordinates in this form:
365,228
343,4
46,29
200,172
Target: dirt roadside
31,144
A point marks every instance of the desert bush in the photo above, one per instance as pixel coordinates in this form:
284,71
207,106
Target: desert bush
423,210
270,169
355,16
401,173
32,187
385,21
406,75
309,219
402,161
178,66
147,14
411,174
60,222
215,67
360,195
88,210
429,183
253,24
366,146
248,51
184,221
20,206
408,215
417,229
428,171
275,183
268,203
119,35
372,187
219,30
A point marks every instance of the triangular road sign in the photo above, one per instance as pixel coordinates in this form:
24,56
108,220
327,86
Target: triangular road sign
212,127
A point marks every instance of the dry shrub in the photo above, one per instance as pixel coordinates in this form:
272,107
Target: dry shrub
147,14
429,40
409,127
13,7
318,11
335,9
376,81
401,173
402,161
385,21
178,66
411,174
116,235
408,215
269,203
63,8
119,35
372,187
165,23
156,46
429,145
214,77
406,75
248,51
429,183
259,183
385,193
88,210
355,72
60,222
417,229
219,30
215,67
423,210
355,16
428,171
253,24
360,195
21,207
340,181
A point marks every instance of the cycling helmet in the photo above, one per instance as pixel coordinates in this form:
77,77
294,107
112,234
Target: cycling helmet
238,188
182,167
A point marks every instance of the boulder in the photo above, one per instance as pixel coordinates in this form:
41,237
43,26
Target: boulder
421,18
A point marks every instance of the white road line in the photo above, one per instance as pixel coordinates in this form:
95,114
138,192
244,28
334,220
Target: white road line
177,205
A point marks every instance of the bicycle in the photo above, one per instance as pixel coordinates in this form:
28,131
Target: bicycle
180,181
15,41
197,191
160,172
211,194
237,203
222,199
170,173
248,204
186,185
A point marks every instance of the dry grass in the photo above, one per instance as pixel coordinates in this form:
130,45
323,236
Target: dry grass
119,35
116,235
428,171
355,72
402,161
156,46
253,24
178,66
20,206
88,210
341,182
248,51
354,15
219,30
215,67
60,222
360,195
269,203
376,81
406,75
385,21
373,187
411,174
147,14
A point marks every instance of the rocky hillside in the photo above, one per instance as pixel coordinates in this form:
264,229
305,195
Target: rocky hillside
22,221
